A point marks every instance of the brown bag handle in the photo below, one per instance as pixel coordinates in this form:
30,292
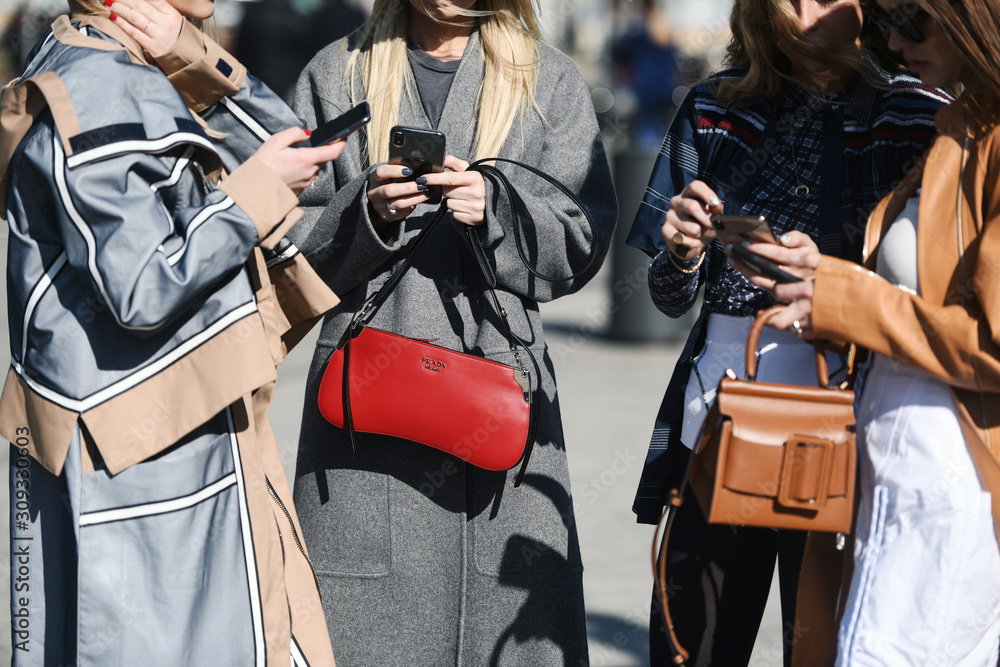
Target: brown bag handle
660,571
660,540
822,370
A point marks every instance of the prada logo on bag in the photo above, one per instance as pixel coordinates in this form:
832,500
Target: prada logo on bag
433,365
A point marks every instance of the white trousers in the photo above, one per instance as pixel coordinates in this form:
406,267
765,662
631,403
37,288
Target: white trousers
926,585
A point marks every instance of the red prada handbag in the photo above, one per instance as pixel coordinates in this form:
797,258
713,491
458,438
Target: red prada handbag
479,410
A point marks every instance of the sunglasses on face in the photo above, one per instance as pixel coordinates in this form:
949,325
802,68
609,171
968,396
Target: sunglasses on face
905,18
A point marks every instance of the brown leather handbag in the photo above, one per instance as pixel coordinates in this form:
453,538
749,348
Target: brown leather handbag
770,455
776,455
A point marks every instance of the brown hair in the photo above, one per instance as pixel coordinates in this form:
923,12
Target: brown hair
974,28
764,29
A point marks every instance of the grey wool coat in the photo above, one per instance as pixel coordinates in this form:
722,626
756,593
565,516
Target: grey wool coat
421,558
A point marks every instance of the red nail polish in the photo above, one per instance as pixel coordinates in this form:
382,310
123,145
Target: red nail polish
114,17
308,133
108,3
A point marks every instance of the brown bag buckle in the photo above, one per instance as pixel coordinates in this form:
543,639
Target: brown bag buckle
788,473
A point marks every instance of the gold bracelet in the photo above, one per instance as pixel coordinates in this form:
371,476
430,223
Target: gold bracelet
701,258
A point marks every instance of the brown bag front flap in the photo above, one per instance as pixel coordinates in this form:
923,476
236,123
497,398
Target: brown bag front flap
768,413
745,474
756,469
776,455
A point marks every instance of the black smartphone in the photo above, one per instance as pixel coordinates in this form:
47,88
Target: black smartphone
420,150
734,229
760,264
350,121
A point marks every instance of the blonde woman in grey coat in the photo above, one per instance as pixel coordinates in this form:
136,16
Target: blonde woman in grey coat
423,559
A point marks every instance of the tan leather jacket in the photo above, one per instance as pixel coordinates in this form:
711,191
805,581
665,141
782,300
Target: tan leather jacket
952,330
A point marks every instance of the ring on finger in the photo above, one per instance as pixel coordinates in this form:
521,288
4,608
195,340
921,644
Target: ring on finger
127,12
677,238
148,22
390,209
797,328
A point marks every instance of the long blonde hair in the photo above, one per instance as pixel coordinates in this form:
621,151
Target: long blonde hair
763,30
508,30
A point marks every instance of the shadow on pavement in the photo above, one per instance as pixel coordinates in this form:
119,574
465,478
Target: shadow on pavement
616,641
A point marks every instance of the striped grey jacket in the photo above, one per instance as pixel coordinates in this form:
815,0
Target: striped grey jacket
150,287
193,315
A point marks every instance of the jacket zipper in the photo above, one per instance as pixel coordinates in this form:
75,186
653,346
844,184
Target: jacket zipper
206,186
281,543
298,542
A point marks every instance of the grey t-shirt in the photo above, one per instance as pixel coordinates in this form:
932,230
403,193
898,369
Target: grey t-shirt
434,79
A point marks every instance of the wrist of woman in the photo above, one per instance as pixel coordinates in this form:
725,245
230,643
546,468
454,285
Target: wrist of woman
686,266
189,47
201,70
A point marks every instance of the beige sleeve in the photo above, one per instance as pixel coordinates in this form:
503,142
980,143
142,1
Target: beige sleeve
201,70
267,201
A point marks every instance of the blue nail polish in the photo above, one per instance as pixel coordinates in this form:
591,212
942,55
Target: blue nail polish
421,180
407,171
422,187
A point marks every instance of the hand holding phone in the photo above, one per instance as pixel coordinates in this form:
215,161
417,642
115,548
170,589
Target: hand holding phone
420,150
734,229
761,265
343,125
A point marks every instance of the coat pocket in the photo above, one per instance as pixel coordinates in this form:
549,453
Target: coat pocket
348,534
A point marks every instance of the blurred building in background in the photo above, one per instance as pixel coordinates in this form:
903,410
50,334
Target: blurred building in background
639,57
588,30
647,69
22,23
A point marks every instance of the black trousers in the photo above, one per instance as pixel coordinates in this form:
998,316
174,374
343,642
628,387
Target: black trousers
718,579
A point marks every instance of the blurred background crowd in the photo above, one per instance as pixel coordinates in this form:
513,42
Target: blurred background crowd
638,56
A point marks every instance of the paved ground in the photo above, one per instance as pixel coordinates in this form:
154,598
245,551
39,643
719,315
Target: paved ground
609,392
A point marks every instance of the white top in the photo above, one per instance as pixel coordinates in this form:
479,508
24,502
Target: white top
897,255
